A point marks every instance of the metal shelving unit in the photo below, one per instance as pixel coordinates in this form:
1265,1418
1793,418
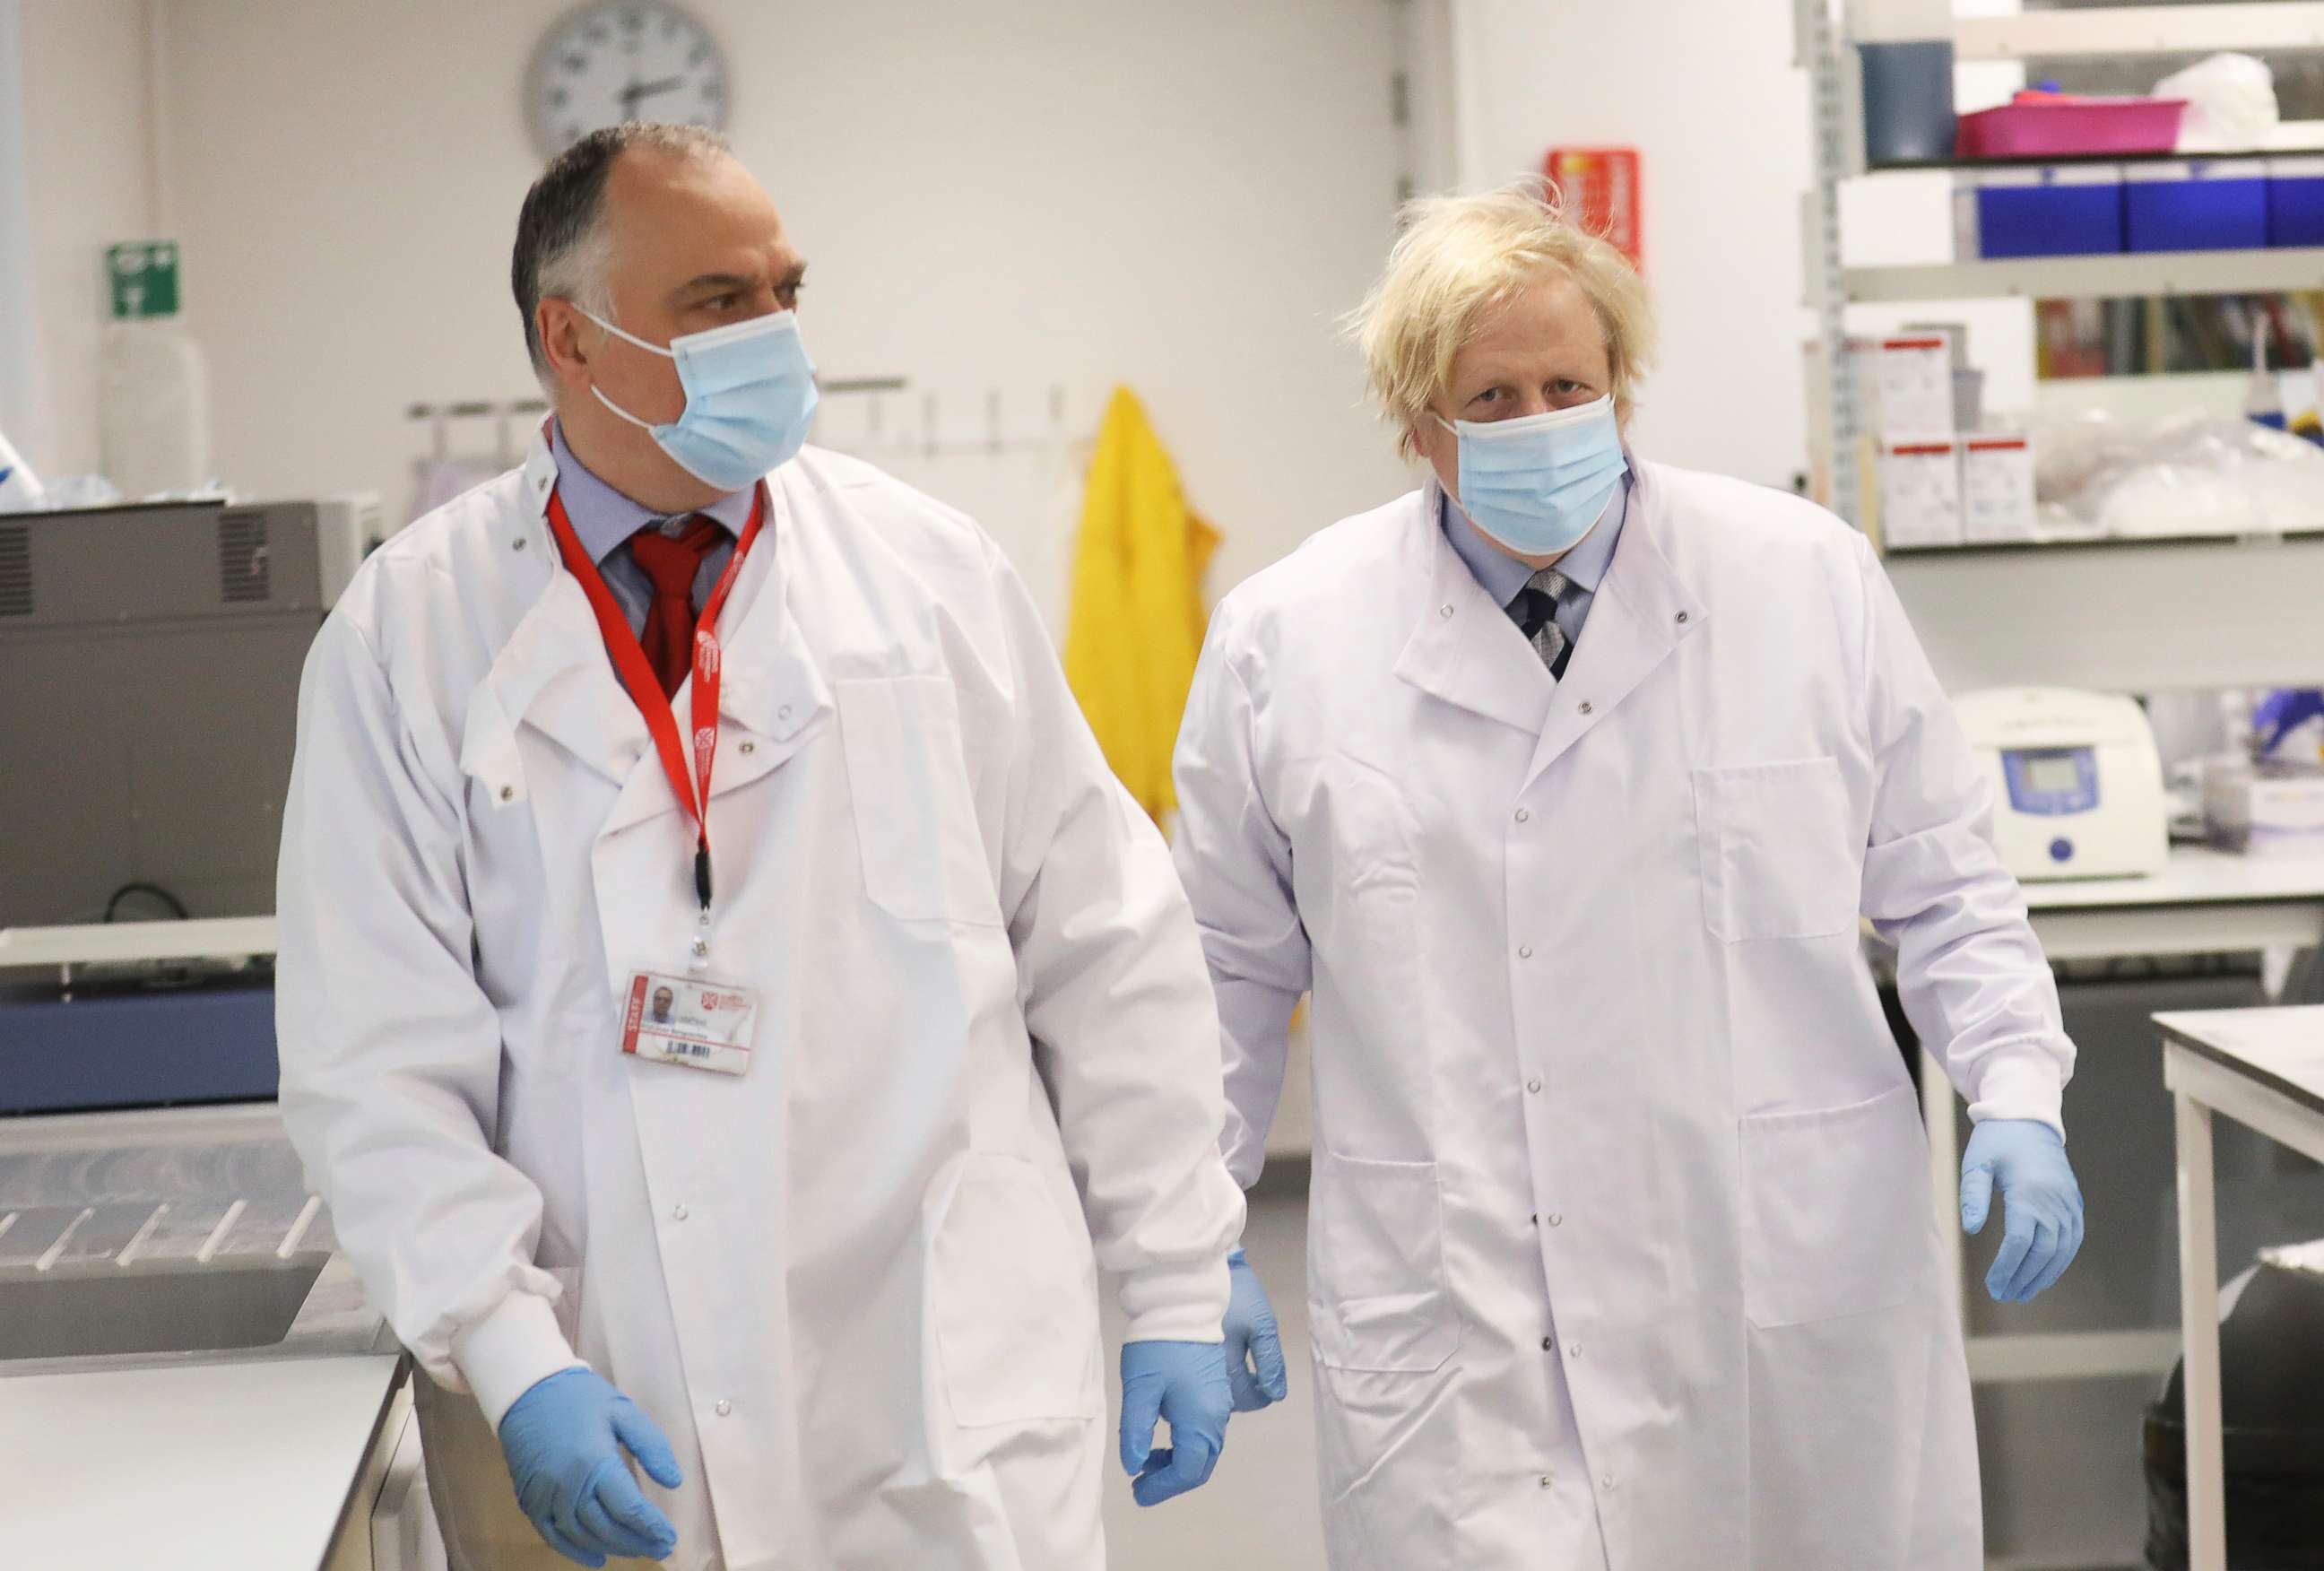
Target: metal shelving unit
1826,51
2132,30
2083,613
2130,272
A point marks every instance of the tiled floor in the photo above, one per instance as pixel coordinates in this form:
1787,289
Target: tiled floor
1258,1512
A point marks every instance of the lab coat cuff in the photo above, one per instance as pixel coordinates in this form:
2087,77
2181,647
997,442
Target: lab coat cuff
1188,1308
510,1351
2025,1082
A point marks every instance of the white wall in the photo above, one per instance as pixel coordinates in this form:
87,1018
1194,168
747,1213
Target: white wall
1011,195
85,96
1709,96
19,393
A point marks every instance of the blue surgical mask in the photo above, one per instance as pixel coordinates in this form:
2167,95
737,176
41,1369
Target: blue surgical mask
1537,485
749,396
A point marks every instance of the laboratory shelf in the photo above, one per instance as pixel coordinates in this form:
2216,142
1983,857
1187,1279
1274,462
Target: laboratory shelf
2144,542
2140,30
101,943
2312,146
2072,1355
2120,615
2123,274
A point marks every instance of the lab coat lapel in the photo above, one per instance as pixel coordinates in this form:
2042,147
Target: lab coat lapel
773,700
552,674
1644,610
1463,648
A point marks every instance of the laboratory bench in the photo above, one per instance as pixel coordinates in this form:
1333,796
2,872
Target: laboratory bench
189,1373
2264,1070
252,1464
2203,903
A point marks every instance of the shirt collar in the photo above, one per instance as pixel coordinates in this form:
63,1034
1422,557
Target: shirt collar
604,518
1503,575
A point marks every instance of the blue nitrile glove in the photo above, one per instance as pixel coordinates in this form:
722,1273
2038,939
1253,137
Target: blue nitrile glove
1252,1341
2041,1203
2282,710
1185,1383
564,1440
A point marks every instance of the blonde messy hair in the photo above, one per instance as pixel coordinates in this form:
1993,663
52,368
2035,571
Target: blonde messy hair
1458,257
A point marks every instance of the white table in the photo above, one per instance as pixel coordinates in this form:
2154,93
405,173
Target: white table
2264,1068
2203,903
228,1466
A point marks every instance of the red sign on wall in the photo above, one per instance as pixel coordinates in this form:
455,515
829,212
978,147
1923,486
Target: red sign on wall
1600,188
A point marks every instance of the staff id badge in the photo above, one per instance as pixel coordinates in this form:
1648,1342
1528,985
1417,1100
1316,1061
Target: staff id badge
688,1021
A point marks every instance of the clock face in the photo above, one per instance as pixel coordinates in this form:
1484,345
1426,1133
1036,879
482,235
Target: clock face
623,59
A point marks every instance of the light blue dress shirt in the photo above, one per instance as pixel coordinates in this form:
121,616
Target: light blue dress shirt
1503,576
603,520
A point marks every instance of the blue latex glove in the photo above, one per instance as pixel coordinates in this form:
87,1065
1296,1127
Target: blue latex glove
1254,1348
564,1440
1185,1383
2043,1205
2282,710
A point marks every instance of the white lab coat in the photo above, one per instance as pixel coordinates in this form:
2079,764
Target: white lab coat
1621,1249
855,1286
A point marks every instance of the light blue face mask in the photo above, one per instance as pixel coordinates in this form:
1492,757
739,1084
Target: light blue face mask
1537,485
749,396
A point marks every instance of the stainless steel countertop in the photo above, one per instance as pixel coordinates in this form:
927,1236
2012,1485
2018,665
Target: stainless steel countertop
169,1191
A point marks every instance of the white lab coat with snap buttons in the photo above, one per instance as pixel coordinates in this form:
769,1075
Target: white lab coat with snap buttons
858,1285
1621,1246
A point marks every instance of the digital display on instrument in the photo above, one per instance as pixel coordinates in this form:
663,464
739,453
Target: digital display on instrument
2052,773
2052,781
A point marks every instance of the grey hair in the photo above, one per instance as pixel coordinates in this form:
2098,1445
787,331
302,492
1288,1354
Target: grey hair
562,247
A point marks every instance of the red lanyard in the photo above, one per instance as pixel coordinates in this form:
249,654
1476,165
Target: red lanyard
645,688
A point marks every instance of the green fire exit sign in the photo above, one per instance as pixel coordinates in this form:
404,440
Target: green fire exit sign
145,278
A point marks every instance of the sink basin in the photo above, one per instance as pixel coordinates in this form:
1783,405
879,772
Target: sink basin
175,1231
103,1311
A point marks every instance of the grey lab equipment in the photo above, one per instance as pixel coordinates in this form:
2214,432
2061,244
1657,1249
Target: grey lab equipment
148,681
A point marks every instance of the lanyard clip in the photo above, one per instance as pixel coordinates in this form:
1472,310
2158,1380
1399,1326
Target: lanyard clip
700,946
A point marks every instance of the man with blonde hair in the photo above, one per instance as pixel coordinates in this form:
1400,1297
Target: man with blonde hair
1560,783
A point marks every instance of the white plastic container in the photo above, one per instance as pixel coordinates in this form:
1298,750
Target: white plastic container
155,434
2265,810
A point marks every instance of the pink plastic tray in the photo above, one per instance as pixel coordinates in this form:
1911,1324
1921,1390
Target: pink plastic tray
2071,128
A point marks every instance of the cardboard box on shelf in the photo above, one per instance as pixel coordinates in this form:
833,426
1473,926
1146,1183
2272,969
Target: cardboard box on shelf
1920,492
1905,382
1997,488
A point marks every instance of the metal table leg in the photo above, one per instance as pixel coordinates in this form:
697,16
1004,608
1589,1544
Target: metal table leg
2198,1320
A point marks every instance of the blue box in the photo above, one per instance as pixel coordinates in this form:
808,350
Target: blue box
2295,201
2196,205
2070,209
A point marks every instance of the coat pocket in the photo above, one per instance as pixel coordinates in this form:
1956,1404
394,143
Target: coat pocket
1376,1239
1012,1294
908,790
1780,857
1836,1210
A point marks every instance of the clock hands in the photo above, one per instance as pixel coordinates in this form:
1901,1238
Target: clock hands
637,90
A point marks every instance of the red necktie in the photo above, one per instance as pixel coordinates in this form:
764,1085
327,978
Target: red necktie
670,564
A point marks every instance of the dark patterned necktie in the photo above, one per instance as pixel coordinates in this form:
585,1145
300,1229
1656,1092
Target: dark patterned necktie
1537,619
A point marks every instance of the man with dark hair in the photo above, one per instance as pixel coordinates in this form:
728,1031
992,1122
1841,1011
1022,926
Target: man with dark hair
686,709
